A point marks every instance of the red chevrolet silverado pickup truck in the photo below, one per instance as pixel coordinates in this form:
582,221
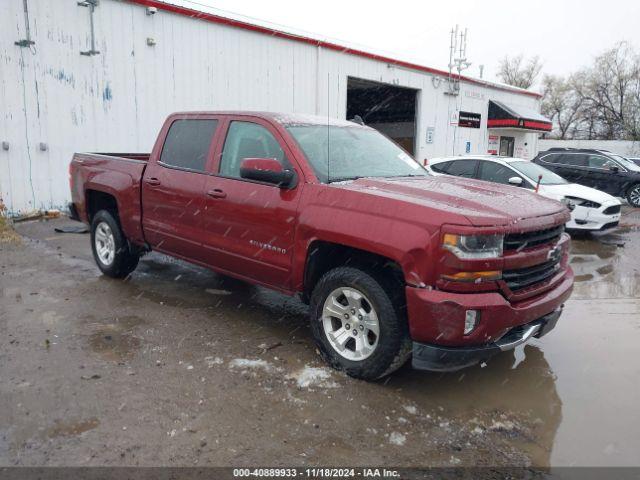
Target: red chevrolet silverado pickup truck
393,262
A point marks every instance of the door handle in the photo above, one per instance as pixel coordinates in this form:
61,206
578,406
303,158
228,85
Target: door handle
153,182
216,193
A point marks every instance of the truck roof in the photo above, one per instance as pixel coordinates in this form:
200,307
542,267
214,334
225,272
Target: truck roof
281,117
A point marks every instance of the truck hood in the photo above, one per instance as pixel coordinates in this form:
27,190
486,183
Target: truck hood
482,203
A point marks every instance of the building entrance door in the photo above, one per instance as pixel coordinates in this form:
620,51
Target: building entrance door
506,146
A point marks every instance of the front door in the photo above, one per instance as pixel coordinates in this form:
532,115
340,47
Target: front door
250,225
605,174
507,145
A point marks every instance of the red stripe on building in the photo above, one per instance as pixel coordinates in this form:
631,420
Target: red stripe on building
518,123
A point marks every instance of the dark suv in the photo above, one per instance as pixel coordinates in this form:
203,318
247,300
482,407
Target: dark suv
598,169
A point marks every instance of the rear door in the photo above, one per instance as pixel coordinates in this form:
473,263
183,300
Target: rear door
463,168
570,166
250,225
172,201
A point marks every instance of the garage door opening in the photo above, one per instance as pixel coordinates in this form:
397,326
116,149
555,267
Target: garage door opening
387,108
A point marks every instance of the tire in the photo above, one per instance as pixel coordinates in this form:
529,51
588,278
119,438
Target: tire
633,195
111,250
365,354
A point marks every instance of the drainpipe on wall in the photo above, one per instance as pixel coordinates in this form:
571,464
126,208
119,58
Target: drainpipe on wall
26,42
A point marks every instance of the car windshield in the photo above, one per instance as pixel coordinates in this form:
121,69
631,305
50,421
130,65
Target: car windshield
532,171
628,164
354,152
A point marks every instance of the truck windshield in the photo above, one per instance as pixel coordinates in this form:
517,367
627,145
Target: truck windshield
338,153
532,171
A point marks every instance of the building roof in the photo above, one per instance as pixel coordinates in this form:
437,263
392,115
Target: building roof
279,32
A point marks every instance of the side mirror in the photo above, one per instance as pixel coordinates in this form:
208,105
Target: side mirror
268,170
517,181
613,168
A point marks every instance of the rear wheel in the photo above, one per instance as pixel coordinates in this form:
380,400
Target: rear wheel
357,326
633,195
111,250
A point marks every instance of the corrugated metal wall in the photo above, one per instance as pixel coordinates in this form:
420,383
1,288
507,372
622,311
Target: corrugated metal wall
55,101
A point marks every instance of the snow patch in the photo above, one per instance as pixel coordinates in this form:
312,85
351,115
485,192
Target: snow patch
396,438
248,364
313,377
504,426
410,409
213,361
215,291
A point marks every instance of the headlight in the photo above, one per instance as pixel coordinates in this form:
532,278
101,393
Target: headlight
582,202
473,246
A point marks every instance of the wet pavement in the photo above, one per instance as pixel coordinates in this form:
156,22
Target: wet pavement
179,366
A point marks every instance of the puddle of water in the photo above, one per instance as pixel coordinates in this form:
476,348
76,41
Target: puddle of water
115,341
62,428
607,265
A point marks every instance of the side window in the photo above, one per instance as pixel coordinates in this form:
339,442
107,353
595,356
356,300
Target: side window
441,167
495,172
187,144
463,168
248,140
551,158
574,160
598,161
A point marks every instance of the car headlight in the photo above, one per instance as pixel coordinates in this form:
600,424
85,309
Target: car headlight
473,246
582,202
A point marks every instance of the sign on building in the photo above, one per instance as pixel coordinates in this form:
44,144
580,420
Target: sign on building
469,120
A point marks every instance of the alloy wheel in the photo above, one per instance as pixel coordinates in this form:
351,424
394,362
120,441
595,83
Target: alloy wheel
350,323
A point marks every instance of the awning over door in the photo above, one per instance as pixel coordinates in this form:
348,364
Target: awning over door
502,115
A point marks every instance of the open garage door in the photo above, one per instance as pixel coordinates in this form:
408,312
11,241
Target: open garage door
387,108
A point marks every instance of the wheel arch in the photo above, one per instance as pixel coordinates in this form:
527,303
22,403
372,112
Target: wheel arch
323,256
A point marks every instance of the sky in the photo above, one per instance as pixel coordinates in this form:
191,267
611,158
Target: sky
566,34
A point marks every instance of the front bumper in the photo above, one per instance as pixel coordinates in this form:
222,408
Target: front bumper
448,359
593,219
437,317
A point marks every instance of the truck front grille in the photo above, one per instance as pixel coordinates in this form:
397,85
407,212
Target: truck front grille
526,277
518,241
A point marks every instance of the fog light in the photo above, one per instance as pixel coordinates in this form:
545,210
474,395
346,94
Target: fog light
470,321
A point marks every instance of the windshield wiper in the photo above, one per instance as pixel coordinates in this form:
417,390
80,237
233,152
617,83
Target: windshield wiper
344,179
408,175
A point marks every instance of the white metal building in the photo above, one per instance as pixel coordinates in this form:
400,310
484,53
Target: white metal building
65,89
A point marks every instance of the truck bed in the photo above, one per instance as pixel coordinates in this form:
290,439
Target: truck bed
116,174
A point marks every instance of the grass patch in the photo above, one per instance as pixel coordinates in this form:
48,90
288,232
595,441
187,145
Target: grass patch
7,233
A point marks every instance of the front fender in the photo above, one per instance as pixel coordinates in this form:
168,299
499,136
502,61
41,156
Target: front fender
406,243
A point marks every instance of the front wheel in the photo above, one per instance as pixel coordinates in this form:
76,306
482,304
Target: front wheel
356,325
111,250
633,195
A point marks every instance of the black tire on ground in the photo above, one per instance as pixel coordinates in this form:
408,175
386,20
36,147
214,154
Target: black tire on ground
394,344
125,260
633,195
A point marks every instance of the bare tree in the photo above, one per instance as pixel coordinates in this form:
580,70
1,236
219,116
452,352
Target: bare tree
610,91
562,104
518,72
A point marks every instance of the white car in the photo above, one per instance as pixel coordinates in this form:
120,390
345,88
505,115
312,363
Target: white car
592,209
